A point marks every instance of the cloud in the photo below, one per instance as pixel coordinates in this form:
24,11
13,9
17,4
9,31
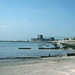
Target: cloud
4,26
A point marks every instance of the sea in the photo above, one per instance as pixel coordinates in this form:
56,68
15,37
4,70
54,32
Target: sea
9,51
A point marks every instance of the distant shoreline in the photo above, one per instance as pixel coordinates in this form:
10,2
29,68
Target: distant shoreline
27,41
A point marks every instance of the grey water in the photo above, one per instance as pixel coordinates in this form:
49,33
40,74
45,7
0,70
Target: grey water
9,50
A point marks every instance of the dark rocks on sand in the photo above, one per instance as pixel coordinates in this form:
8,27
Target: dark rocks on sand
71,54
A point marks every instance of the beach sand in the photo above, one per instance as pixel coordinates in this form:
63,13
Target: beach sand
44,66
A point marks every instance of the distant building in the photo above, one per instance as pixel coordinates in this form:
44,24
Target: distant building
52,38
40,38
67,39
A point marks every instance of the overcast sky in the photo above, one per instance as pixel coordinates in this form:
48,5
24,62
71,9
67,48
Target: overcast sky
21,19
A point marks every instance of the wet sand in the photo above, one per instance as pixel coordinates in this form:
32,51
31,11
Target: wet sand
44,66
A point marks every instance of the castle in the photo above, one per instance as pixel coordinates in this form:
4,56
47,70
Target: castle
41,39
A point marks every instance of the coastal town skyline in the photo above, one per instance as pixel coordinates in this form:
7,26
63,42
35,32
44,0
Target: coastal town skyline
22,19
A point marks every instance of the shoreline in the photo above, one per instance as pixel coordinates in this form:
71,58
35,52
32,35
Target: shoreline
40,66
44,66
70,44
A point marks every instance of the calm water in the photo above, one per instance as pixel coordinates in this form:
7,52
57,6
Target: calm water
10,50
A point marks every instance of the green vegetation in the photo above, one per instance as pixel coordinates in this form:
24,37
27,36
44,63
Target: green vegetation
73,39
70,46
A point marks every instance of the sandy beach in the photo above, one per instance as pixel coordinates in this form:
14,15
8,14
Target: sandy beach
44,66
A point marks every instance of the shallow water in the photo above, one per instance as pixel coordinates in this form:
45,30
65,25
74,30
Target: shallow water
9,50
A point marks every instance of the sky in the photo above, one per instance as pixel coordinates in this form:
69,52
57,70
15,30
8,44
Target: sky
22,19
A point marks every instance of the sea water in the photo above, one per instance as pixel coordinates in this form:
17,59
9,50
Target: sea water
10,50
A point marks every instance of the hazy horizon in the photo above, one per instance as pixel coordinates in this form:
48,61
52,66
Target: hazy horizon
22,19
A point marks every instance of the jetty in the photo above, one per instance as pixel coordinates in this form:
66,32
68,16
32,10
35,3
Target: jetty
24,48
50,48
71,54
